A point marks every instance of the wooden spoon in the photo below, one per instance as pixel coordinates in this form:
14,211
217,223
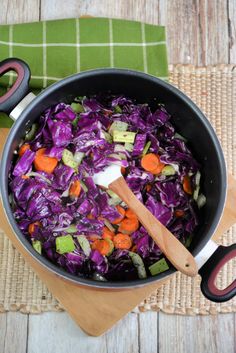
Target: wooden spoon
173,249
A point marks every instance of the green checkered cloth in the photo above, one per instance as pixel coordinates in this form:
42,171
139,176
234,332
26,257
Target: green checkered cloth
56,49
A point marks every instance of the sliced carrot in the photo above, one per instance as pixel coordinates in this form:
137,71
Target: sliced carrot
128,225
23,148
90,216
102,246
75,189
93,237
179,213
24,176
31,227
44,163
148,187
122,215
130,214
123,170
107,233
158,169
134,248
122,241
150,162
187,185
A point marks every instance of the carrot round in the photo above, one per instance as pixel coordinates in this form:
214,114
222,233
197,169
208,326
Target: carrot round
130,214
187,185
179,213
31,227
128,225
158,169
134,248
23,148
24,176
150,162
102,246
107,234
123,170
122,241
93,237
148,187
44,163
90,216
75,189
122,215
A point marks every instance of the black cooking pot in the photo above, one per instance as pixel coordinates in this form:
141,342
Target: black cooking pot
25,108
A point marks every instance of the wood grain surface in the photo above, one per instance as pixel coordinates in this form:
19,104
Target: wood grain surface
199,32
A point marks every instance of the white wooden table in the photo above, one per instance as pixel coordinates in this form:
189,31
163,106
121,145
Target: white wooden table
199,32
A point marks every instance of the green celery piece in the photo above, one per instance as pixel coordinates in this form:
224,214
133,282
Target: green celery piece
75,121
85,245
123,136
188,241
118,125
31,133
158,267
138,263
146,148
110,242
84,187
168,170
71,229
129,146
65,244
77,107
37,246
68,159
118,109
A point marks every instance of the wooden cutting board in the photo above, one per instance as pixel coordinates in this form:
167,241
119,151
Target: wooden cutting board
97,310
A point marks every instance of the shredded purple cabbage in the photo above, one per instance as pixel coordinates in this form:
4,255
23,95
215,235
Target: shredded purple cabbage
43,199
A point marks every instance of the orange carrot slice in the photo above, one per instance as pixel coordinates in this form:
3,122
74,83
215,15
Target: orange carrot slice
23,148
44,163
187,185
122,241
75,189
128,225
122,215
107,234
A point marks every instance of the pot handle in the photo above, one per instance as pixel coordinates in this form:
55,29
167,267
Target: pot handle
210,270
21,86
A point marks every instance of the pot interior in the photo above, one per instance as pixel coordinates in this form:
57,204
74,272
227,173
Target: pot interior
187,118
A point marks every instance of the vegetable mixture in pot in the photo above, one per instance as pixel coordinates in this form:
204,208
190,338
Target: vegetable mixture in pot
82,227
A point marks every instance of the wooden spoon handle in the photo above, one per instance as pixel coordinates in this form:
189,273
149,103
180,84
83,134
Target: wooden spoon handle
173,249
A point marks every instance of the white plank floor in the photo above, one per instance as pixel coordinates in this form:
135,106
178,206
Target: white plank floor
136,333
198,32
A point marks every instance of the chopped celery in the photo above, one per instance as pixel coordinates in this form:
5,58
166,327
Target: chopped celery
106,136
188,241
65,244
68,159
158,267
138,263
201,200
75,121
118,125
78,156
84,243
110,242
118,109
114,200
146,148
129,146
180,137
196,192
31,133
77,107
84,187
123,136
109,226
37,246
71,229
197,178
168,170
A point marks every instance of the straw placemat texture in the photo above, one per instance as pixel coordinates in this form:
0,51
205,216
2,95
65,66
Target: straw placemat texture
213,89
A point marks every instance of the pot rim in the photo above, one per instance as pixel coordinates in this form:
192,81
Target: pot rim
56,269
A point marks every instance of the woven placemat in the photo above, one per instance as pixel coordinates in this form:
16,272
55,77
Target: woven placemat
213,89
